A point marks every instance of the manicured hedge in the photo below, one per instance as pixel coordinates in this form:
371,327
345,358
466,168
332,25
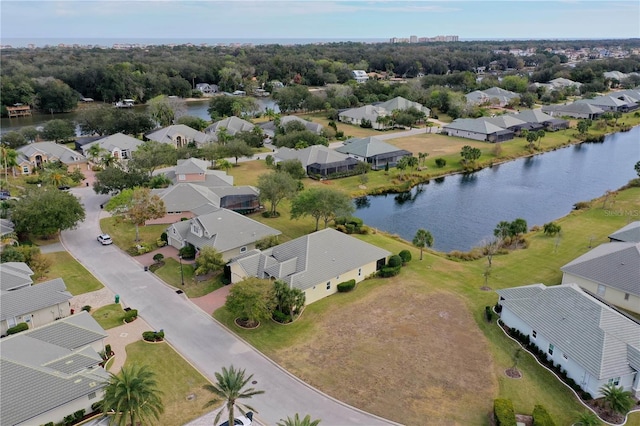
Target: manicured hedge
130,315
541,417
405,255
389,271
394,261
153,336
503,412
22,326
346,286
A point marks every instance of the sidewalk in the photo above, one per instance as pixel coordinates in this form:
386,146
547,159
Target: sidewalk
212,301
120,337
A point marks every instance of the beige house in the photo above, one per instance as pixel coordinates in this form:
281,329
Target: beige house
36,305
178,135
315,263
52,371
35,155
611,271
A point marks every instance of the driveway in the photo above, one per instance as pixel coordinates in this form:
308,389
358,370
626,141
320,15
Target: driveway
200,339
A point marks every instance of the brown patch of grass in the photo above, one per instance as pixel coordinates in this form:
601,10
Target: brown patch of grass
434,144
422,347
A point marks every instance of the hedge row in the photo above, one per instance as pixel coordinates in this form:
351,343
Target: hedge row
346,286
504,412
22,326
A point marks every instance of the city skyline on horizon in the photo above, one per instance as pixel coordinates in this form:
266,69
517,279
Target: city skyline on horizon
310,19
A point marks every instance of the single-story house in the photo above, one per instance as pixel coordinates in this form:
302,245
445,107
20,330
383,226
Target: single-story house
119,145
593,342
269,128
368,112
537,117
318,160
374,151
611,103
232,125
401,104
315,263
35,305
52,371
34,155
575,109
230,233
178,135
493,96
14,276
477,129
207,88
196,170
611,271
629,233
513,123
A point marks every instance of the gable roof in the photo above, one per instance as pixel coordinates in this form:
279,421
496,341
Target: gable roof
575,107
612,264
225,230
33,298
589,332
532,116
42,374
475,125
115,141
400,103
369,112
319,154
52,150
628,234
6,227
14,275
186,197
167,134
233,125
311,259
609,101
504,121
270,126
369,147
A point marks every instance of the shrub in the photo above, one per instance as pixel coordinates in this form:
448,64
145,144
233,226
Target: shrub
49,424
22,326
388,271
503,412
405,255
267,242
79,414
86,308
281,317
488,313
153,336
158,257
96,406
441,162
346,286
160,242
187,252
394,261
130,315
581,205
108,351
69,420
541,417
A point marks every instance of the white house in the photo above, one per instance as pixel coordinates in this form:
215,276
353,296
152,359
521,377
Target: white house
360,76
594,343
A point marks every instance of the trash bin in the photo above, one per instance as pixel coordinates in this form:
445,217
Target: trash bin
146,268
117,298
87,183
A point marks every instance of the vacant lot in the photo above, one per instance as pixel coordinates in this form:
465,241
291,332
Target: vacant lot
401,355
435,144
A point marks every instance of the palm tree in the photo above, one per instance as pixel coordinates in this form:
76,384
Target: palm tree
618,400
133,395
9,157
422,238
587,418
224,164
230,387
297,421
94,152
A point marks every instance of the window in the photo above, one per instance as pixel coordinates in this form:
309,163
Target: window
615,381
534,334
328,285
92,395
550,349
25,169
601,290
626,296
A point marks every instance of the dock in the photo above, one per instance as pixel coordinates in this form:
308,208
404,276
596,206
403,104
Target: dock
19,111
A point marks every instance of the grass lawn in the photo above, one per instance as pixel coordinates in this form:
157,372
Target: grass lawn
182,385
423,335
170,273
76,276
109,316
123,234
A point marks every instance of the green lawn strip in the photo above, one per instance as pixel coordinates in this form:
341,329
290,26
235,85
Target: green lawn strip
170,274
181,384
123,233
75,276
109,316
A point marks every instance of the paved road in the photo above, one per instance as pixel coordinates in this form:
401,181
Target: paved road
200,339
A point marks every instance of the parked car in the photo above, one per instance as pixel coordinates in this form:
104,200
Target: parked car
105,239
5,194
241,421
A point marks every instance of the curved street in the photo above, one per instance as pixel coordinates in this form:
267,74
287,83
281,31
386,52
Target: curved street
195,335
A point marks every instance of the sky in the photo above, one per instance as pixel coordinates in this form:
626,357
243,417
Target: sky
296,19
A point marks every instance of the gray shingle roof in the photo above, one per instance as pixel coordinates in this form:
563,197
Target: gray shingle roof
313,154
38,376
504,121
575,107
270,126
608,101
233,125
400,103
117,140
14,275
71,332
6,227
52,150
628,234
183,197
312,259
589,332
532,116
368,112
33,298
191,166
368,147
475,125
612,264
167,134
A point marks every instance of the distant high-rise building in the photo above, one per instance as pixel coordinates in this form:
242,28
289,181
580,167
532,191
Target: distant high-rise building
413,39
